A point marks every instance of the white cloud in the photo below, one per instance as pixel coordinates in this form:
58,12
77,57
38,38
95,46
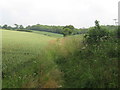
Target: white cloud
80,13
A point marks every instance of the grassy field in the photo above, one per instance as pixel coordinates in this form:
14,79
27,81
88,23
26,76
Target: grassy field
22,58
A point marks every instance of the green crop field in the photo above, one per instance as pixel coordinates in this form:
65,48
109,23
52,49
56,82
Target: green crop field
22,57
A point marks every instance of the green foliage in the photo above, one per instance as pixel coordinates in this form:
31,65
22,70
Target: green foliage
118,32
96,34
16,26
28,59
89,66
69,26
9,28
97,25
4,26
46,28
67,31
21,27
56,29
12,28
110,28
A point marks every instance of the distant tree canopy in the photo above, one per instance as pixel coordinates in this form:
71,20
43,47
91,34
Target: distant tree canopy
69,26
57,29
65,30
53,29
68,30
4,26
12,28
16,26
21,27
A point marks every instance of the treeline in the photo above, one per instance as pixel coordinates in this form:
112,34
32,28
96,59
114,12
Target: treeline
16,27
65,30
46,28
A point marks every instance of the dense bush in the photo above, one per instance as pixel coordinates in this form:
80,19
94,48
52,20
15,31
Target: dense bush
96,34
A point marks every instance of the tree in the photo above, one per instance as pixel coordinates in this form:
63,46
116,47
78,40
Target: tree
69,26
68,30
4,26
9,27
21,27
96,34
97,26
28,27
16,26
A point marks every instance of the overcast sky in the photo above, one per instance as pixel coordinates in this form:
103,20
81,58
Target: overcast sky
80,13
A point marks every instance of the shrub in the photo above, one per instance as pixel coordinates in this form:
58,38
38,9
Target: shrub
96,34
